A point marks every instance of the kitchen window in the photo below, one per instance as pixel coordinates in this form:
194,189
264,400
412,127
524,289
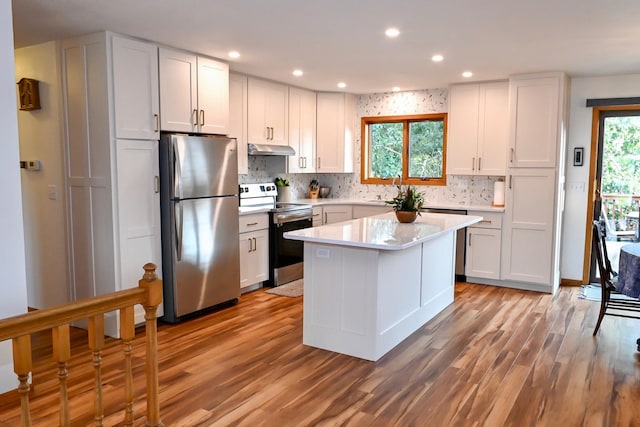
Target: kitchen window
408,147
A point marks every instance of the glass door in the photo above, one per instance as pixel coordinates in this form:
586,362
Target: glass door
616,203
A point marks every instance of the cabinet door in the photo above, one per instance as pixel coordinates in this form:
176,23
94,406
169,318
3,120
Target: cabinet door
527,239
268,105
534,116
302,130
336,213
135,89
138,204
213,96
462,133
178,90
335,132
254,257
238,118
483,253
493,129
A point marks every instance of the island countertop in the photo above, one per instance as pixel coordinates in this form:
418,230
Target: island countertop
384,231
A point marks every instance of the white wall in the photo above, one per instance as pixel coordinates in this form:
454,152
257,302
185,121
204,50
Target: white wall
575,221
41,138
13,288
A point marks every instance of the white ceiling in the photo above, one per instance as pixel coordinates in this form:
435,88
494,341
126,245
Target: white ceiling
343,40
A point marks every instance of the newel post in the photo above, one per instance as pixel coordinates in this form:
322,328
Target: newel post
153,286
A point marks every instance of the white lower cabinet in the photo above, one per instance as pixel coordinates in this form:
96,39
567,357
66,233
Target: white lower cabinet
484,240
361,211
336,213
254,249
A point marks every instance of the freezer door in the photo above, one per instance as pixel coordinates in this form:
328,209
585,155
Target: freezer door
203,166
206,269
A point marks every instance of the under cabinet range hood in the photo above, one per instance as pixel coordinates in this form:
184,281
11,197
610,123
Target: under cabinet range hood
270,150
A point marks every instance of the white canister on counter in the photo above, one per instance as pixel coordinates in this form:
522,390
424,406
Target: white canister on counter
284,194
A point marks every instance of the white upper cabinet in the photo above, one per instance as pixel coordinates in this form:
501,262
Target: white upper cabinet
478,124
535,115
135,89
213,96
336,130
238,118
302,130
268,106
194,93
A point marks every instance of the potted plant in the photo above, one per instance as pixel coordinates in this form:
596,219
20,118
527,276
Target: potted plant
407,203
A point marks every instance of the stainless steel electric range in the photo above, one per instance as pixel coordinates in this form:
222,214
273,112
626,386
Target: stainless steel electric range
285,256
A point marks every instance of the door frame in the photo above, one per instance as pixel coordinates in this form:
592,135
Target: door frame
591,195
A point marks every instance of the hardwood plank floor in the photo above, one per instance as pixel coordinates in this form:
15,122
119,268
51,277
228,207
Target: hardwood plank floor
495,357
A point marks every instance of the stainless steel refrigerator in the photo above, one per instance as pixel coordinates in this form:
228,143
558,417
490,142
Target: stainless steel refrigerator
199,208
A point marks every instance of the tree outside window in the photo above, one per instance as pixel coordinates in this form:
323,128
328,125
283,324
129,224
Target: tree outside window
408,147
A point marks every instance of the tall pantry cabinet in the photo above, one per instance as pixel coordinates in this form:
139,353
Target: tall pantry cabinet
111,103
535,181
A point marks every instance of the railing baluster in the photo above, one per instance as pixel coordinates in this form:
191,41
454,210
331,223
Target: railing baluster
96,343
22,368
153,286
127,333
62,354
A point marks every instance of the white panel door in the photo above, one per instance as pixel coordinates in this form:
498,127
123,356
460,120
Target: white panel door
135,89
462,133
178,90
527,243
483,253
534,117
138,211
302,130
493,129
213,96
238,118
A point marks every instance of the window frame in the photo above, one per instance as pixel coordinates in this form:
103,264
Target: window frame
365,152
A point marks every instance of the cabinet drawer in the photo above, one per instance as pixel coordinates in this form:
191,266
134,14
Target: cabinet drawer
254,222
489,220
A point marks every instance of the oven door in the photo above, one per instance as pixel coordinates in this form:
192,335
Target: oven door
286,255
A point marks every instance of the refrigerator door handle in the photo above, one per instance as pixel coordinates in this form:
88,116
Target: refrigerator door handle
178,229
177,173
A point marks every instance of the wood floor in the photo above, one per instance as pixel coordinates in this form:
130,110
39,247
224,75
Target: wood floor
495,357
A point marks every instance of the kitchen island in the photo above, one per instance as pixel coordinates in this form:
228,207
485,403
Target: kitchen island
371,282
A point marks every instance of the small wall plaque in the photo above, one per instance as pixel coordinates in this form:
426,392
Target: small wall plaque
578,156
29,94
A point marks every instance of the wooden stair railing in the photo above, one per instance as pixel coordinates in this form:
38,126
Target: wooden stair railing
57,319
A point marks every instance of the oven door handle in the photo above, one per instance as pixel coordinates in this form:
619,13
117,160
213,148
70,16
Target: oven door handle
281,218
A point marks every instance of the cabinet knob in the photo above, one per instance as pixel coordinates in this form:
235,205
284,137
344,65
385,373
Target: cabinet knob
195,117
157,121
201,117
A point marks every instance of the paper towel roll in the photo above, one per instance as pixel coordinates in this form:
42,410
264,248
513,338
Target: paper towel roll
498,193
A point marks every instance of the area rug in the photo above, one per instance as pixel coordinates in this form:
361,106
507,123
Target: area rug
291,289
590,292
593,293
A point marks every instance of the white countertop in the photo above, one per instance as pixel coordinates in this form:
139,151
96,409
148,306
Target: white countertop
384,231
375,202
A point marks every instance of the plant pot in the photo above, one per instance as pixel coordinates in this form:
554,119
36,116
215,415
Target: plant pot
406,216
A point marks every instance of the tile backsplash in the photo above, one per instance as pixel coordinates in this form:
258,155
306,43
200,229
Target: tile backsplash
465,190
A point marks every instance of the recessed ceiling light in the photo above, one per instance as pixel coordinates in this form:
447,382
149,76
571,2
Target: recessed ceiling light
395,89
342,85
392,32
297,73
437,58
467,74
234,54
